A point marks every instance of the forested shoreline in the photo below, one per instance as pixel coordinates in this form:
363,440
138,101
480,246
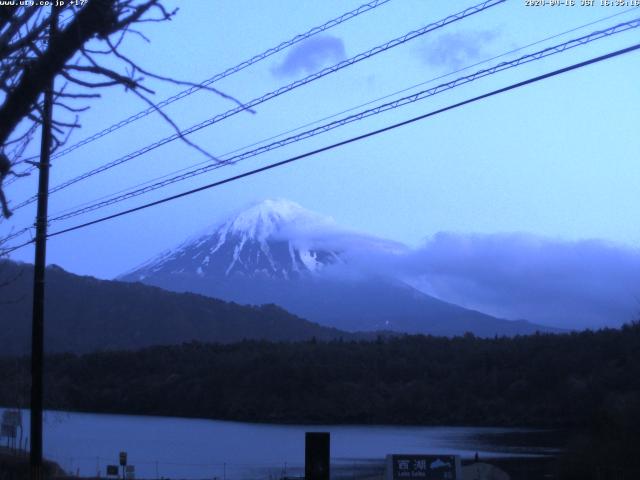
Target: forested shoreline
586,383
540,380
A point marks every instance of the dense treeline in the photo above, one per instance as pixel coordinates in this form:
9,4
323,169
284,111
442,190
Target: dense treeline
587,383
540,380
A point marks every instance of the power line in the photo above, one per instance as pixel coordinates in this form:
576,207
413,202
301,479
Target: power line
13,235
406,89
276,93
7,251
348,141
133,191
513,86
389,95
362,115
219,76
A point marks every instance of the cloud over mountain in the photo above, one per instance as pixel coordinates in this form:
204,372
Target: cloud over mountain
278,252
579,284
569,284
588,283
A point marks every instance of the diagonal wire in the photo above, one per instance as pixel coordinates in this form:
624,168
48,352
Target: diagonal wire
351,109
622,27
271,166
13,235
409,121
276,93
219,76
7,251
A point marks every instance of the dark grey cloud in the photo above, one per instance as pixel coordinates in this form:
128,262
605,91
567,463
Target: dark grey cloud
457,49
580,284
311,55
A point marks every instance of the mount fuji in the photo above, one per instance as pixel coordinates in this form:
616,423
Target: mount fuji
278,252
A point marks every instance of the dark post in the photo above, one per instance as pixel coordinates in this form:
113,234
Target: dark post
316,456
123,463
37,331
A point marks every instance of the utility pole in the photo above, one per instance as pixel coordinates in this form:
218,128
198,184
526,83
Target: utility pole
37,331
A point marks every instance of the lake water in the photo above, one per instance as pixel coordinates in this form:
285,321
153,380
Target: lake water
197,449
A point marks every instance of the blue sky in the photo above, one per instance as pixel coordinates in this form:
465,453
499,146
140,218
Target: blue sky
557,159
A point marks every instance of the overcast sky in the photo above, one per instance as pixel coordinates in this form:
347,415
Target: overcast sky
557,160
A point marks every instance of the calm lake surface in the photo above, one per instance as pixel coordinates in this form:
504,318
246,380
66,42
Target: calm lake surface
195,448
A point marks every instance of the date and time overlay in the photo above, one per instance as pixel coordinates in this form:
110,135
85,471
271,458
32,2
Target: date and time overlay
581,3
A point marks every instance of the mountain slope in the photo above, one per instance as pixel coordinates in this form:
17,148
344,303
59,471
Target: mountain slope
253,244
278,252
84,314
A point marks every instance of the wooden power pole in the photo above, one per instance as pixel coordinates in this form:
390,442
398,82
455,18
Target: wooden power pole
37,332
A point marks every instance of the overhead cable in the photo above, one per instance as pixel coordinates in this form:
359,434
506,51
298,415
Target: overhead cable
354,139
219,76
360,116
276,93
342,112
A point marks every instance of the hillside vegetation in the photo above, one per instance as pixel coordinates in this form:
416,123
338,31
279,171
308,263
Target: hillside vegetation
587,384
540,380
84,314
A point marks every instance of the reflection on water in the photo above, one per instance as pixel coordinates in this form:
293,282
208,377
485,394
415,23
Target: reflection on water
194,448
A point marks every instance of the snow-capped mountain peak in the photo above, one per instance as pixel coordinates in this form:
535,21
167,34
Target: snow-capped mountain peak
272,216
277,252
270,239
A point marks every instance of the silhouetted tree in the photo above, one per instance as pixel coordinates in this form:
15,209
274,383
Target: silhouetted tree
30,58
83,53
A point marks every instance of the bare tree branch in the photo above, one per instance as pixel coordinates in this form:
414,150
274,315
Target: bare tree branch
31,57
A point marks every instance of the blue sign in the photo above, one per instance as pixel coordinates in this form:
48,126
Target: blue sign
423,467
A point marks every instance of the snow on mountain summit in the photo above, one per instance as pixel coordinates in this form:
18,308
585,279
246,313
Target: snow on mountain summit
269,239
272,216
277,252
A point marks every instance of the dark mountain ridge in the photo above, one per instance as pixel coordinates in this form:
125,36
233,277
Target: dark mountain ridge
84,314
278,252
